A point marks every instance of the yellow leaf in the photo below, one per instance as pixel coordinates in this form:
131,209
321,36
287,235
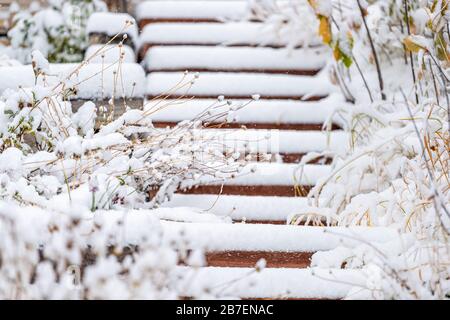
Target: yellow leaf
325,29
412,45
336,53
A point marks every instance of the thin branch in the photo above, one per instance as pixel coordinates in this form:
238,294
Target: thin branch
375,56
411,61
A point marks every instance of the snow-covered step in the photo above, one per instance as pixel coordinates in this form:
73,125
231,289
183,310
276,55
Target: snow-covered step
223,237
272,283
189,11
281,246
250,209
264,179
95,81
211,34
306,61
261,114
238,86
103,27
284,142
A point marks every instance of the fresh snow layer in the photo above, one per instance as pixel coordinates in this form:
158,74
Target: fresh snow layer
268,174
275,141
201,231
239,84
233,33
261,111
241,208
189,215
112,24
214,10
93,81
100,53
219,237
268,283
182,58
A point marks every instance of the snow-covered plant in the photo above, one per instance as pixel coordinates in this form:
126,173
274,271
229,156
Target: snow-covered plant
290,20
391,60
58,31
75,193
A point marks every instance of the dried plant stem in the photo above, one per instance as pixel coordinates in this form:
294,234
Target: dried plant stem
411,61
363,78
375,56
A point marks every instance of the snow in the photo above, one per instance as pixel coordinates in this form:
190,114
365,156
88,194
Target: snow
234,33
217,237
92,81
83,119
112,24
5,60
233,58
268,283
239,84
262,111
188,215
268,174
203,231
241,207
218,57
39,62
11,160
275,141
99,53
191,10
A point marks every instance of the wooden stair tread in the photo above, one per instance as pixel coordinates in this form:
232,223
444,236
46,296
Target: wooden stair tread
278,283
250,258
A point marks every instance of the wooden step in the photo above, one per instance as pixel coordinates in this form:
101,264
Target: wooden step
94,81
238,86
247,34
235,59
270,283
104,27
262,114
264,179
227,237
253,125
266,145
189,11
249,259
251,209
250,190
244,245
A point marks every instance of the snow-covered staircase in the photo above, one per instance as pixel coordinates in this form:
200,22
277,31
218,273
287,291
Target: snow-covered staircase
295,98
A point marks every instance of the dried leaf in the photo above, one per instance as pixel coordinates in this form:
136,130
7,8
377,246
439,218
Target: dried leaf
325,29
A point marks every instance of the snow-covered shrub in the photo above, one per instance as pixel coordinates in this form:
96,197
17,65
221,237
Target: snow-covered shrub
75,199
58,31
291,20
397,173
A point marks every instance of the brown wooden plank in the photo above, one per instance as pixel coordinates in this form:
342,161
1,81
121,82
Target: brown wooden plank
248,259
296,72
276,191
143,22
144,47
246,125
242,97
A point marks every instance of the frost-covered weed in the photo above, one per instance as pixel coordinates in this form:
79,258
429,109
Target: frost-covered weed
75,192
397,173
